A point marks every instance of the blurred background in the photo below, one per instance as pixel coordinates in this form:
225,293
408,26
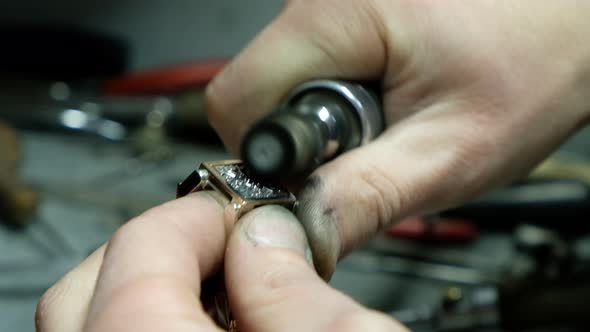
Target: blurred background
101,116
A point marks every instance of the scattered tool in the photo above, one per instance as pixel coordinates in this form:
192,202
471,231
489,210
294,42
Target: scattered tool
561,204
543,284
17,200
555,168
435,229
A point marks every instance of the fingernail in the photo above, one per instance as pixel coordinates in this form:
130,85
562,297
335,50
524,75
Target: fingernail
275,227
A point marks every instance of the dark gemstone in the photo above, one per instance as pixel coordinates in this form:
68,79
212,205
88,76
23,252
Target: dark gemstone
185,187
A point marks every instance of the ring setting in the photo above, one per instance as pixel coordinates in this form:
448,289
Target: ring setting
232,179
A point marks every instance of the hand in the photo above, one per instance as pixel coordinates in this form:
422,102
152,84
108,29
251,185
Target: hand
475,92
148,277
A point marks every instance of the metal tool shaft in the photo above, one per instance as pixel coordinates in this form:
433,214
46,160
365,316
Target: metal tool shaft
318,121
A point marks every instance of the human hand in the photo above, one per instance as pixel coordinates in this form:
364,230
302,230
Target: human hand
148,277
476,93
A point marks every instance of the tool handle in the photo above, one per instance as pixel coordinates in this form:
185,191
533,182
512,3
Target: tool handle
561,204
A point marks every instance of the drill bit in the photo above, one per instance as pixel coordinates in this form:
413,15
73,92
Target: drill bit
319,120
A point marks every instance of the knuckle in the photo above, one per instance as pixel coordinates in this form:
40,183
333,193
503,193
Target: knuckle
219,103
380,195
349,32
169,219
135,228
213,103
154,213
289,3
468,167
472,165
158,215
132,230
124,233
220,94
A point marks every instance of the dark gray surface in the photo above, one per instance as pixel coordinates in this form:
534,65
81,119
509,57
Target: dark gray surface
80,209
158,31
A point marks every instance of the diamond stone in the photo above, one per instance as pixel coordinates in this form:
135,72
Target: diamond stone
237,177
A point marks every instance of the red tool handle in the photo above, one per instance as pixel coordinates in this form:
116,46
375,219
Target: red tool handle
445,230
165,80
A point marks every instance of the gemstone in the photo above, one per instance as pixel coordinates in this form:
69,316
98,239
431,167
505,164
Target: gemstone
238,178
189,184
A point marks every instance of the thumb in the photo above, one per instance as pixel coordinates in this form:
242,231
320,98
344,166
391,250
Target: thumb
272,285
420,165
309,39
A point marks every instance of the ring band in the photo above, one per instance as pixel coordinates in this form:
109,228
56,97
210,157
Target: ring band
231,179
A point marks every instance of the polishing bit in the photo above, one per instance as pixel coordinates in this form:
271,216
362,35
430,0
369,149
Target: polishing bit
318,121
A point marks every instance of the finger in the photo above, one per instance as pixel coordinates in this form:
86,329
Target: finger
273,286
310,39
438,158
153,266
64,306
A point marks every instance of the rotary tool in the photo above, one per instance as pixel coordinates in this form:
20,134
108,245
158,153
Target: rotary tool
319,120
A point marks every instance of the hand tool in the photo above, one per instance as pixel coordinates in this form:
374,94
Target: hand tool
165,80
459,309
370,262
560,204
555,168
50,112
434,229
184,84
526,305
319,120
17,201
